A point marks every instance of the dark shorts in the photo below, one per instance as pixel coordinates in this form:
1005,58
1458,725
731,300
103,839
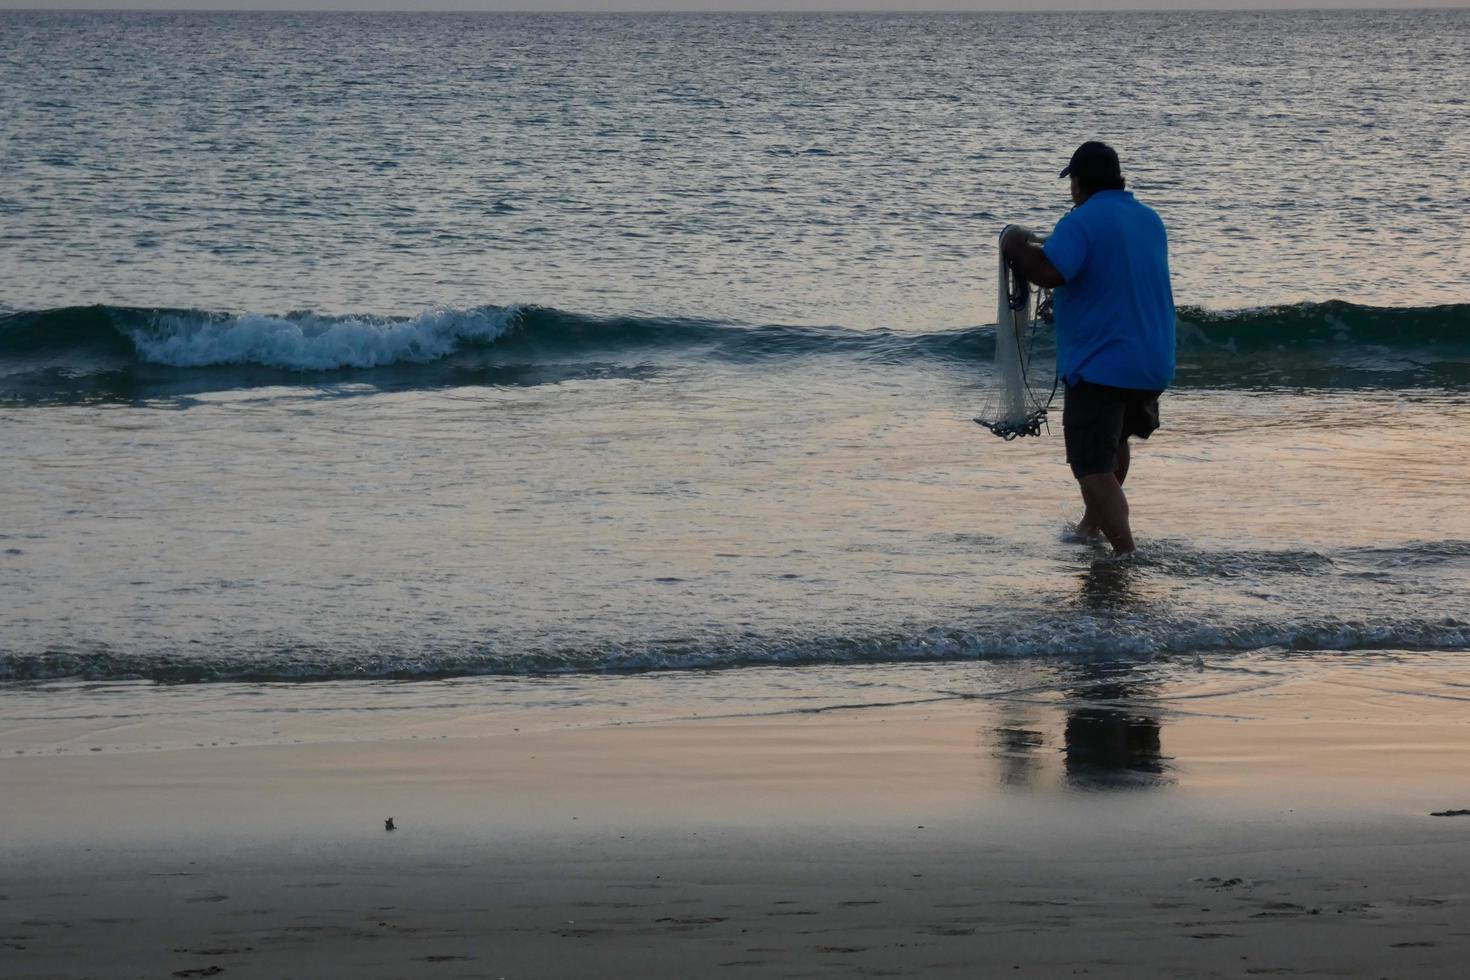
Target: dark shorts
1097,418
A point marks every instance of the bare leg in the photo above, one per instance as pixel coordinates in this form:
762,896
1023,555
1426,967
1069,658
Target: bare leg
1106,502
1089,525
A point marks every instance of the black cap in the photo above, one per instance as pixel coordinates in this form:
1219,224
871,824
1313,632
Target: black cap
1094,163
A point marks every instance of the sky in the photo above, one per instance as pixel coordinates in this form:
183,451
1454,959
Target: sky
786,5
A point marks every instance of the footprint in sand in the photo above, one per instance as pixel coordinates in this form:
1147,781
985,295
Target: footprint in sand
946,931
1276,910
691,920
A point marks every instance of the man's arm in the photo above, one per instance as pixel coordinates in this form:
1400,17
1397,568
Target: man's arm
1020,246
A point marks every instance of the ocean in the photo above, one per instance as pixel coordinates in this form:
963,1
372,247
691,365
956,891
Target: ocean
424,348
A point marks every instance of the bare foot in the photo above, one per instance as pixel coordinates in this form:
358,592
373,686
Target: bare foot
1082,532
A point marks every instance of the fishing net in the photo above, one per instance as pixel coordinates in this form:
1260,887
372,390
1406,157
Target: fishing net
1024,381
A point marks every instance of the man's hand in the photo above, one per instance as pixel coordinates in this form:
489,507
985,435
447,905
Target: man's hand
1017,235
1022,246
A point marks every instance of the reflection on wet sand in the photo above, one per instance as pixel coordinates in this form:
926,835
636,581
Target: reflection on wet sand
1110,738
1017,751
1113,746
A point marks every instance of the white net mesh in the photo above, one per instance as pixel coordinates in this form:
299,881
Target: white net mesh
1024,374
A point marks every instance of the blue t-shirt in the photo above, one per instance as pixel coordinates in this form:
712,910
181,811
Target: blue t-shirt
1115,314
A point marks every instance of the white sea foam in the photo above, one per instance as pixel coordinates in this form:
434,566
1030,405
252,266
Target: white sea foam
308,342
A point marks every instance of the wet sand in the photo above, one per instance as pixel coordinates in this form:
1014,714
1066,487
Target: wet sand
1283,830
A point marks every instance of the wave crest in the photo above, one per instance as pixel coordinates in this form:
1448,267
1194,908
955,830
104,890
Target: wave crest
1047,638
307,342
53,353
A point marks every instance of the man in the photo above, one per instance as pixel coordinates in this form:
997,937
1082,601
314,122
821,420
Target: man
1108,261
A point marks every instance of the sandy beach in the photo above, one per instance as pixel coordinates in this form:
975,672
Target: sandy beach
1276,829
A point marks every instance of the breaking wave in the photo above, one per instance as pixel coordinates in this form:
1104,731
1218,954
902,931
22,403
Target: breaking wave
110,350
1077,638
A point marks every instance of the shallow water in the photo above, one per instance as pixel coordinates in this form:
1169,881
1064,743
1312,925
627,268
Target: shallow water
620,438
838,514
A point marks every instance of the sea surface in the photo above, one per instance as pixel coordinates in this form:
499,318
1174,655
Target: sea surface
418,348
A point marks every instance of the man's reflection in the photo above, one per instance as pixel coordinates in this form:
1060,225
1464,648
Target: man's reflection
1111,738
1111,746
1111,586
